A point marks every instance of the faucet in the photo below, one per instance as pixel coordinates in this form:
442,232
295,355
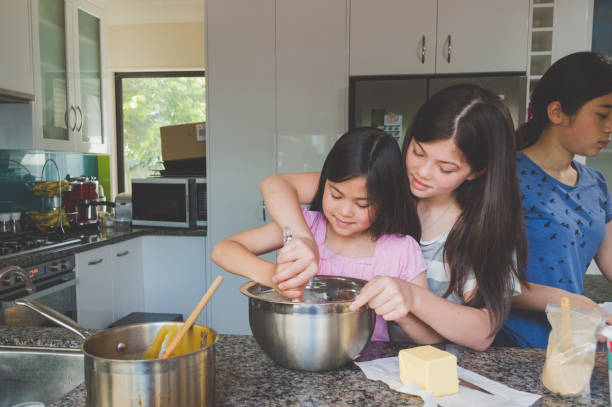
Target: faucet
21,273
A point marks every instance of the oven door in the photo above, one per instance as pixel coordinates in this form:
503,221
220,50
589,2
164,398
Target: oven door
60,296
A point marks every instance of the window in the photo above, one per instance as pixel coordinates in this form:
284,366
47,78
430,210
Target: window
146,101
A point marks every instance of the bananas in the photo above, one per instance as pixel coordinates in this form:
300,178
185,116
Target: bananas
44,220
50,188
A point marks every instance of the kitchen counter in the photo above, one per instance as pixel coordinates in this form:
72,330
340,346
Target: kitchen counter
245,376
93,240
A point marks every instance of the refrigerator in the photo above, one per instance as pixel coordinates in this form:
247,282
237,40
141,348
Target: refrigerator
390,102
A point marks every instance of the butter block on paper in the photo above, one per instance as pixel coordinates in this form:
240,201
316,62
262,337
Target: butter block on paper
431,368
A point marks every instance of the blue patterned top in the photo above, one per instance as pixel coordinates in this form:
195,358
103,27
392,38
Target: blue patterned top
565,226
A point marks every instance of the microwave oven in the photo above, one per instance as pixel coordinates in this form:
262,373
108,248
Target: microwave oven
173,202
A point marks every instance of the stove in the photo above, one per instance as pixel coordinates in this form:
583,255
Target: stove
28,242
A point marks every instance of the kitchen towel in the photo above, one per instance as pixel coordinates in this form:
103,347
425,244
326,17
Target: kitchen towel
387,371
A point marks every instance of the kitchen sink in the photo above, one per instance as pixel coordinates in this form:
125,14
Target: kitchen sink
38,374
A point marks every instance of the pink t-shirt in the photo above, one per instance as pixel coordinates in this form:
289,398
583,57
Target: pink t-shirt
396,256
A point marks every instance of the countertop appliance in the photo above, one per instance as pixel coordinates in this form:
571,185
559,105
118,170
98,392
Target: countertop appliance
168,201
53,284
391,102
123,208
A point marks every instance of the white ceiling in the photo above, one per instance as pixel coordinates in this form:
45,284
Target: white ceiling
153,11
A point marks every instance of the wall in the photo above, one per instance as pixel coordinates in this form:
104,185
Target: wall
150,47
19,168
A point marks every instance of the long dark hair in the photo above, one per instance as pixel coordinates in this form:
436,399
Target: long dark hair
489,237
572,81
372,153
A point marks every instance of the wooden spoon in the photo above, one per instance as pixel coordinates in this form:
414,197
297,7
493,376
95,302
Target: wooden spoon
198,309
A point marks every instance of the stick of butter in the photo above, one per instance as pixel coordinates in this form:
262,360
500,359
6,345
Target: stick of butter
431,368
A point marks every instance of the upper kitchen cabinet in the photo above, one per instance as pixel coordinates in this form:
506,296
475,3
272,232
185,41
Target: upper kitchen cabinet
16,65
70,81
311,81
390,37
399,37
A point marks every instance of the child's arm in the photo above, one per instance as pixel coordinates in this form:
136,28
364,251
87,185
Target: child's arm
416,329
603,258
534,297
238,254
467,326
283,194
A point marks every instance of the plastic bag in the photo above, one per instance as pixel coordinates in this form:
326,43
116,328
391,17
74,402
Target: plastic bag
570,354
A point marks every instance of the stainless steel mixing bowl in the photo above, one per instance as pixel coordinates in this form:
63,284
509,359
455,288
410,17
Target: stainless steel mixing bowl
316,334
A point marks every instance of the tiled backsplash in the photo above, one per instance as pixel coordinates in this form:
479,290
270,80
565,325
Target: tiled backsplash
19,168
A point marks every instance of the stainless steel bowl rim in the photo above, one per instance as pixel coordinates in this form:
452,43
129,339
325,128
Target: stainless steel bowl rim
245,289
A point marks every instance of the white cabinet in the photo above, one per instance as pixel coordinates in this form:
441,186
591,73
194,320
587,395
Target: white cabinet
174,274
241,142
70,76
392,37
128,277
70,79
16,65
277,77
311,81
94,289
447,36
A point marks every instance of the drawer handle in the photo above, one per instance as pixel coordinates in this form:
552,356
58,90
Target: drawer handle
423,48
449,49
93,262
125,253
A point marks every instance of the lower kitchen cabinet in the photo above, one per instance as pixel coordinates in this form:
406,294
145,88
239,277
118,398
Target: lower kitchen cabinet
174,274
94,289
128,277
160,274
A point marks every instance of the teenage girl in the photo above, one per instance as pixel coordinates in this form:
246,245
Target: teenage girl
567,205
460,159
362,223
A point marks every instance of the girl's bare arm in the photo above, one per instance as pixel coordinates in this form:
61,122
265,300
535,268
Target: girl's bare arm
416,329
461,324
238,253
283,194
603,258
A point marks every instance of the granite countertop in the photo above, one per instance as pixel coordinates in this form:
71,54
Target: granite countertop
245,376
92,240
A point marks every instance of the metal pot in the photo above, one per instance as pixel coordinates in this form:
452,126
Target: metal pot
316,334
114,378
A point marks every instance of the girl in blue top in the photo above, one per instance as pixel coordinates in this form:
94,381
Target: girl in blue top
567,205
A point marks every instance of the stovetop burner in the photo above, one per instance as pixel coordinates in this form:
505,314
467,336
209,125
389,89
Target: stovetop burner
18,243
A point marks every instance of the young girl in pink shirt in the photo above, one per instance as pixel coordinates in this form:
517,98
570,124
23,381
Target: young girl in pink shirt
361,221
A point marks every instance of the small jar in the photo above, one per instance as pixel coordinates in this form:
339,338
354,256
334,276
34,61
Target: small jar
6,223
16,218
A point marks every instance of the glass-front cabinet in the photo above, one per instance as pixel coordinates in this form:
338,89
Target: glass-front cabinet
70,108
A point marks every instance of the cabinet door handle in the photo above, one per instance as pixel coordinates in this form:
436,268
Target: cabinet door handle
81,116
263,211
75,118
449,49
423,49
125,253
93,262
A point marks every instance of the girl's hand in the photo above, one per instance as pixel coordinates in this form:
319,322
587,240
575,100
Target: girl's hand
298,262
389,297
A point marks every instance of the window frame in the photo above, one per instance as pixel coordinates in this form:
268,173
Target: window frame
119,76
